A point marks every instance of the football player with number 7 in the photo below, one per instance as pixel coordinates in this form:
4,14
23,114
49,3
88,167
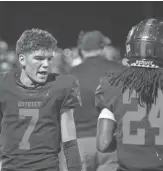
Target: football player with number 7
37,109
130,102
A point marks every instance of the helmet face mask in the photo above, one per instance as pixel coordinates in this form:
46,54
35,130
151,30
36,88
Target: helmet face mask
145,44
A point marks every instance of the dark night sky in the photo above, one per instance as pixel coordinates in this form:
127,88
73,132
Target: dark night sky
65,19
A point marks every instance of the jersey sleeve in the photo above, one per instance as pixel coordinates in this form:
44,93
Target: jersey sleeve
106,114
106,96
73,98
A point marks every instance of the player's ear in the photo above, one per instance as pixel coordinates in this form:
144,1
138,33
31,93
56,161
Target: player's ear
22,59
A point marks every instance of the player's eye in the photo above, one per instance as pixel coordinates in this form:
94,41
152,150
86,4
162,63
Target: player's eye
39,58
50,58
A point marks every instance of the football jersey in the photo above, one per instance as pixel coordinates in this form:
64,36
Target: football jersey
89,73
139,131
30,125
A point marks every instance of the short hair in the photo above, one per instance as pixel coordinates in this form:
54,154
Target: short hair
35,39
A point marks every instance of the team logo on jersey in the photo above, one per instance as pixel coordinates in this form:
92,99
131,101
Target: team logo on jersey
34,104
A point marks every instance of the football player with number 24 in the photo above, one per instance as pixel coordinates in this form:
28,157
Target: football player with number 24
130,102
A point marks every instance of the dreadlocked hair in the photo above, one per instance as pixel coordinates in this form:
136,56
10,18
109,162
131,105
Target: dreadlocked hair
144,81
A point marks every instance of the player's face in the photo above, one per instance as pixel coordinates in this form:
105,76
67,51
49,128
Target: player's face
38,65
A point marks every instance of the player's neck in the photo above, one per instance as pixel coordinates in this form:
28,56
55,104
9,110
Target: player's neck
25,80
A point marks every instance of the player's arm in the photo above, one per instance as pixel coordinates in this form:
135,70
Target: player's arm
68,129
105,139
106,125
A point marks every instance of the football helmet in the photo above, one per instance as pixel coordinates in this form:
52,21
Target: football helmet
144,44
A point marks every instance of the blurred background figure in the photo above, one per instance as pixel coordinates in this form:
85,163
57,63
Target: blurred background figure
5,66
61,63
8,59
57,61
65,59
3,46
111,53
98,57
76,58
3,50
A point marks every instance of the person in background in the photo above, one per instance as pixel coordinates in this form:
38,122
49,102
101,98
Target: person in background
76,57
94,65
57,61
111,53
3,46
60,64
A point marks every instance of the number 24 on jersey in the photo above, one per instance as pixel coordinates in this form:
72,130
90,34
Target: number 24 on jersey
155,119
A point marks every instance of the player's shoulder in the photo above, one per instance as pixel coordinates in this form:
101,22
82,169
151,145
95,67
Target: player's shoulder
115,67
107,86
63,80
107,95
67,78
53,76
106,80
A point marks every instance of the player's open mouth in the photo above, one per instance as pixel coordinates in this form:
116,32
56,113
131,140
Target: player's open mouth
43,72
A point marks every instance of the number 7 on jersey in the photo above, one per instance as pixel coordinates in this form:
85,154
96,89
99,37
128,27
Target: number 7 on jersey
34,114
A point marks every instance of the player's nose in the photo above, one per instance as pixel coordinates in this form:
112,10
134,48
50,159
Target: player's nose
45,63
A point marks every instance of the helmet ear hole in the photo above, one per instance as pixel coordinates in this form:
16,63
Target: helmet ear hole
150,49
